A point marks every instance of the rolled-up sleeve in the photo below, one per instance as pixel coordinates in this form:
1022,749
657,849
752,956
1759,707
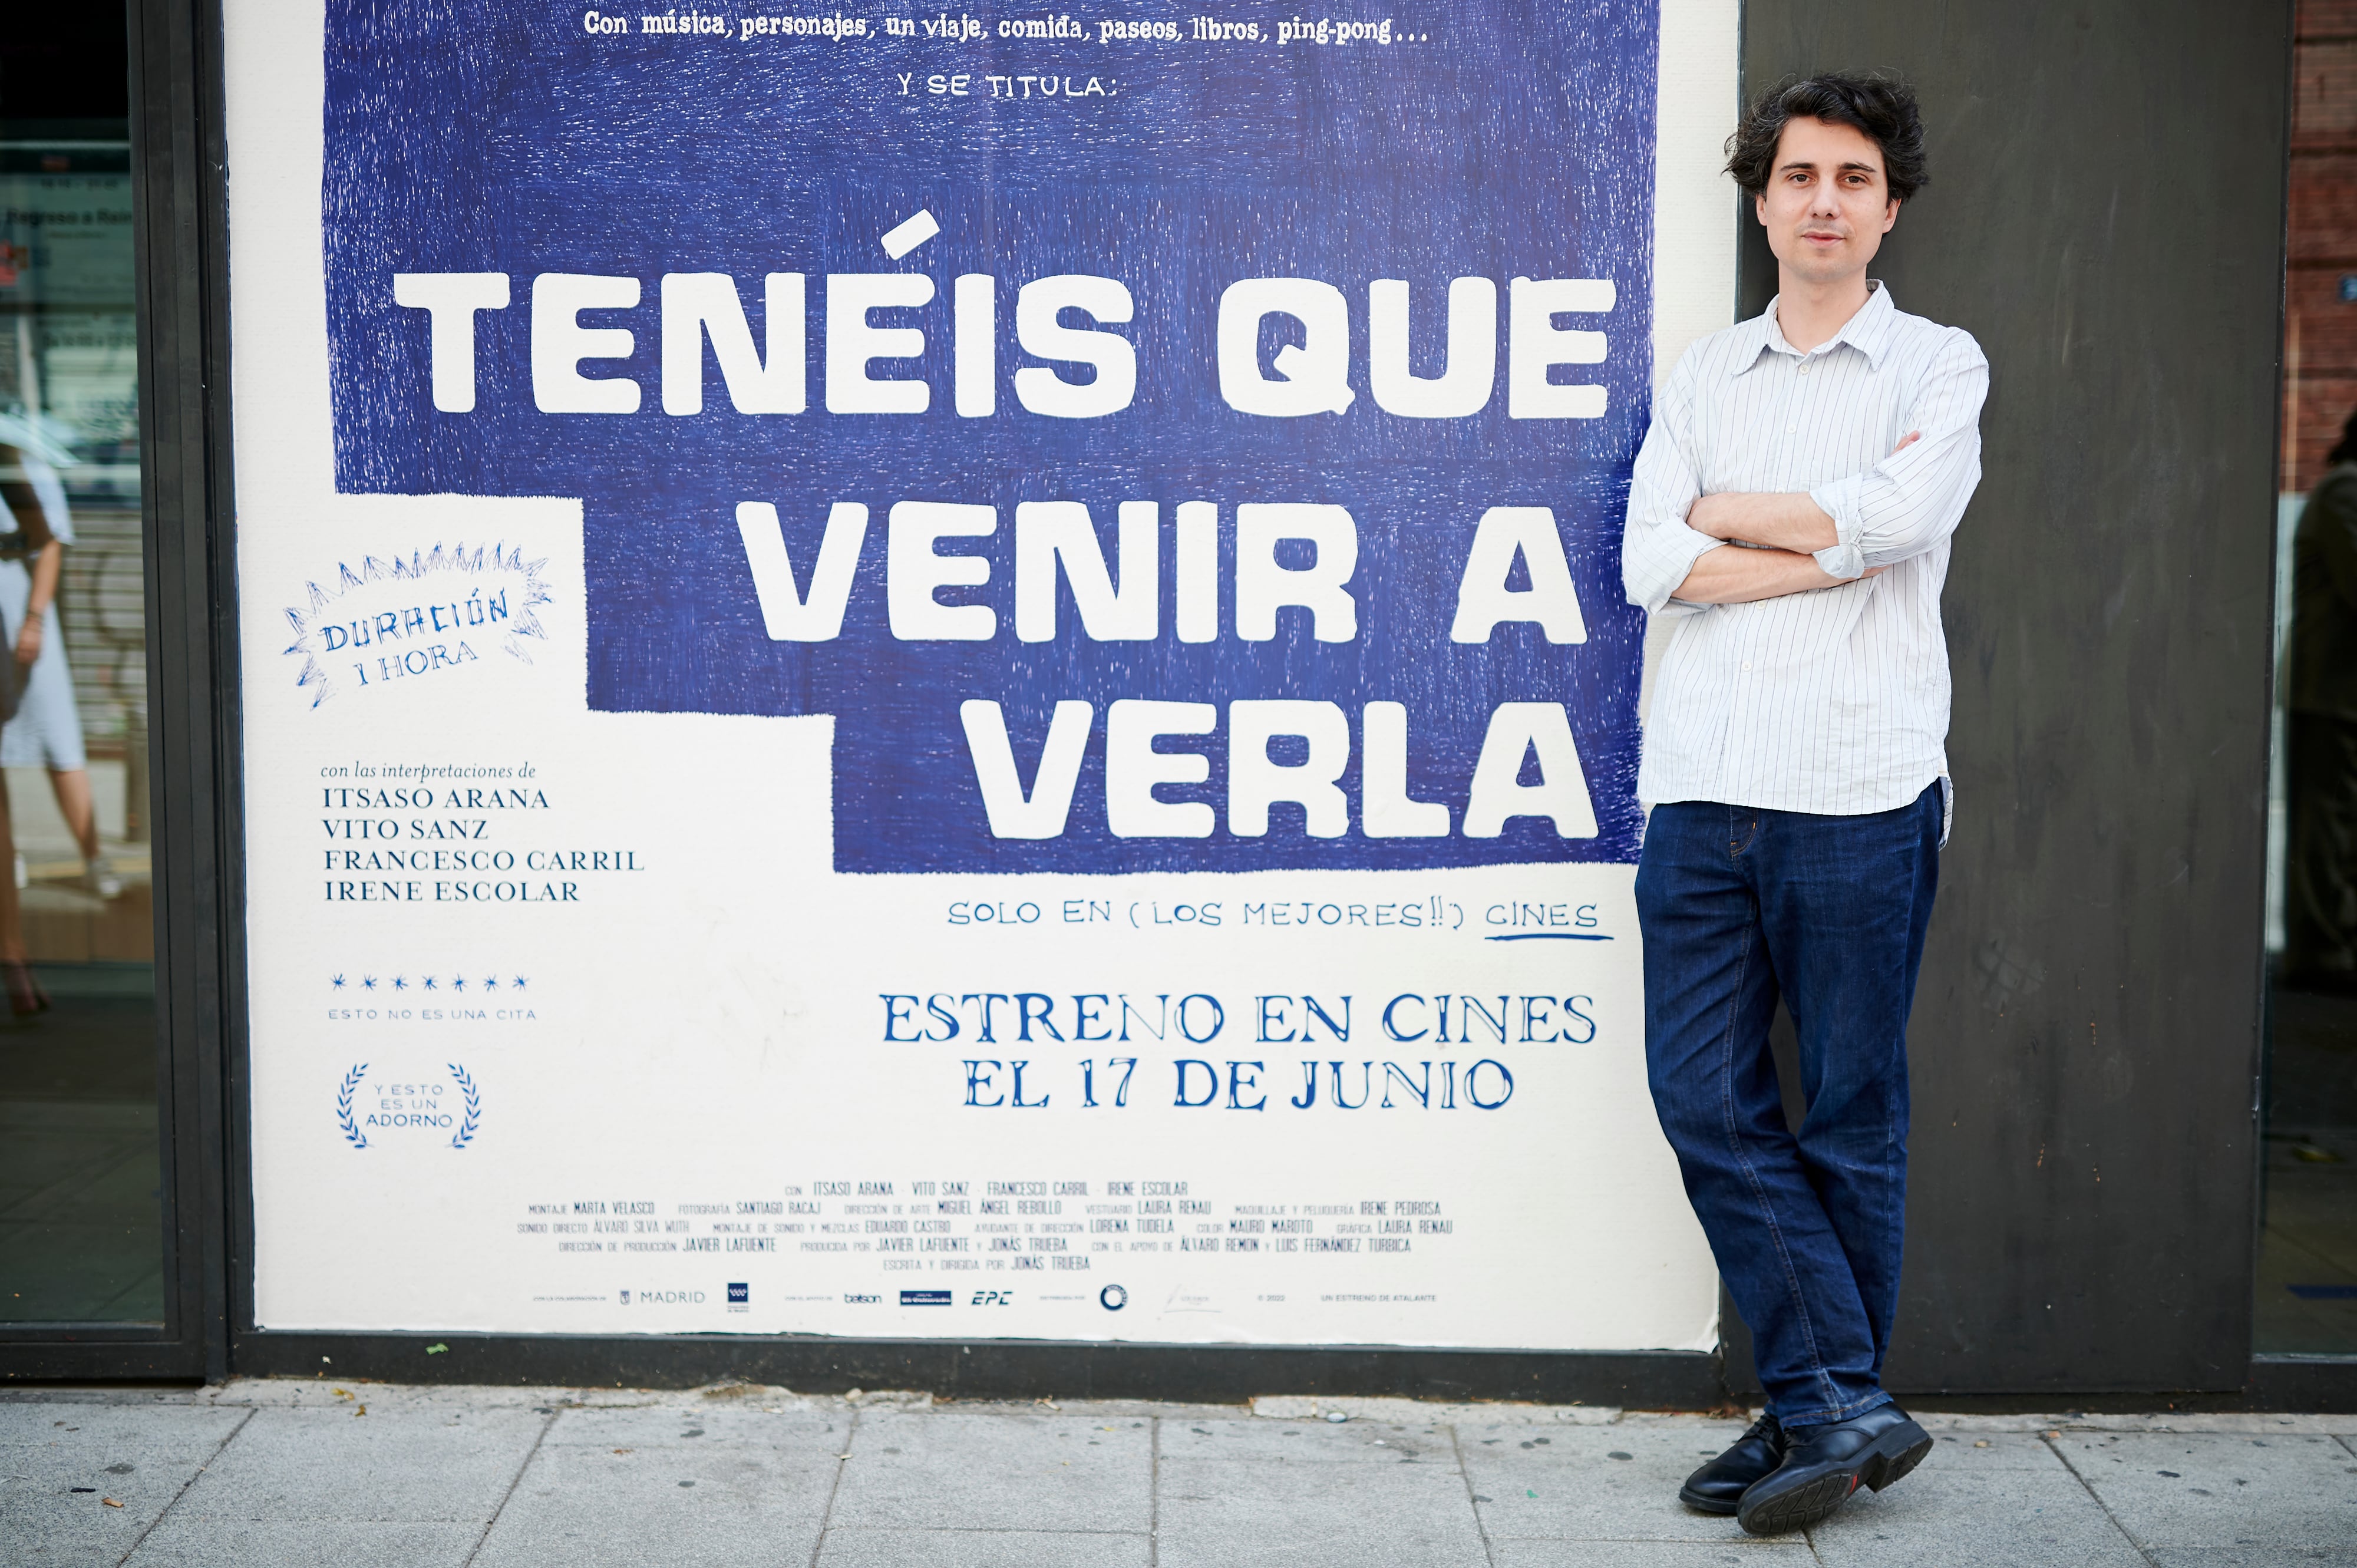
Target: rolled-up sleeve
1912,499
1657,549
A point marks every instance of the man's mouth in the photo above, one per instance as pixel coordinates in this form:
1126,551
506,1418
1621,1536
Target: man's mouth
1821,237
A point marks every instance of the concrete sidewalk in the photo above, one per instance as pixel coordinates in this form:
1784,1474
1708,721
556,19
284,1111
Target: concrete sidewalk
259,1473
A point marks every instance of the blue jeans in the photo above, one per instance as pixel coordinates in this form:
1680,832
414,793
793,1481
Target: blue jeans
1739,906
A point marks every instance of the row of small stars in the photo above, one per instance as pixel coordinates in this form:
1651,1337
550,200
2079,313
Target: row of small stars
428,983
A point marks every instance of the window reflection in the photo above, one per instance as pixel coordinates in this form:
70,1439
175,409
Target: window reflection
2306,1294
80,1236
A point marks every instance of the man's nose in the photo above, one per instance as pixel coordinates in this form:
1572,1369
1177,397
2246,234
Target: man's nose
1824,201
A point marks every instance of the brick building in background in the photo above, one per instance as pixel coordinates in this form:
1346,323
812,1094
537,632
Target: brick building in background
2320,286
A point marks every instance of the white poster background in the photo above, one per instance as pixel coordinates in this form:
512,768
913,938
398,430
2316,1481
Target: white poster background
692,1052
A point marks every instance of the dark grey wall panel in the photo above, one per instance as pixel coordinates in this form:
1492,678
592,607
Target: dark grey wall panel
2106,217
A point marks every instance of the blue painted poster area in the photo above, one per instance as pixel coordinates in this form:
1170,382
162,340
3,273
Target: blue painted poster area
1162,441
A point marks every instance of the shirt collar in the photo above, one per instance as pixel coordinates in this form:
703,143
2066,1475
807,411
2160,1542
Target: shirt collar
1868,331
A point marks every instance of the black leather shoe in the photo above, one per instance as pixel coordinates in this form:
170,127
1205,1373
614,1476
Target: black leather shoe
1824,1464
1718,1487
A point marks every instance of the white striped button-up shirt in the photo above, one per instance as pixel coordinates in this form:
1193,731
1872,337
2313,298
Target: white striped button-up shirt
1833,701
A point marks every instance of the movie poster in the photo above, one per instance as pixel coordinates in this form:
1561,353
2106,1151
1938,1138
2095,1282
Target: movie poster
926,672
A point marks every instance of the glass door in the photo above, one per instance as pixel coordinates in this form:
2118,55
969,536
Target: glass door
2307,1298
83,1172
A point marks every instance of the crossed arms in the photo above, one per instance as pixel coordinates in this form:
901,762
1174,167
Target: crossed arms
1784,530
1685,551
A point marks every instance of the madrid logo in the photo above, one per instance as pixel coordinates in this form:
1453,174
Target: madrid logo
386,1108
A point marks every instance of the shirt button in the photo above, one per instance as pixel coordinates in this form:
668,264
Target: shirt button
1747,664
1804,367
1791,429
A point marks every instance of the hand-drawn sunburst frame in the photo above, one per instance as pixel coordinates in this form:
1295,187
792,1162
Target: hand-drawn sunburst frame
484,560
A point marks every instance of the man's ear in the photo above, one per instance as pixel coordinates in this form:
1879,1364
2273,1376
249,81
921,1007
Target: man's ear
1760,207
1890,215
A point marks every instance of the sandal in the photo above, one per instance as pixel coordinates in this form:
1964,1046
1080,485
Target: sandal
25,997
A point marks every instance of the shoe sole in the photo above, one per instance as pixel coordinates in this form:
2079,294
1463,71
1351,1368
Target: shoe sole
1888,1460
1895,1469
1701,1503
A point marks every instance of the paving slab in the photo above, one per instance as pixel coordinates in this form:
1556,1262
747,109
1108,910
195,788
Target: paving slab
1613,1483
192,1541
1743,1551
2259,1424
1314,1491
389,1465
2248,1425
920,1470
1308,1442
328,1389
1261,1513
1964,1507
60,1463
723,1499
1978,1453
817,1433
2218,1491
2243,1556
1413,1412
983,1549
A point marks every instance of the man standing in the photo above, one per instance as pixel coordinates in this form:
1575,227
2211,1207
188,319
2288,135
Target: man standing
1789,517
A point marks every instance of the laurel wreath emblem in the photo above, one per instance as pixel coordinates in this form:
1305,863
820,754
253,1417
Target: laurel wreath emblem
474,1102
352,1133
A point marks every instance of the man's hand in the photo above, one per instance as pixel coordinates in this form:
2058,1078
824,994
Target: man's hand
28,641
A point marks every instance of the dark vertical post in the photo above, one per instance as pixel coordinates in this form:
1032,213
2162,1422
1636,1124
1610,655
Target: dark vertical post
179,232
2106,216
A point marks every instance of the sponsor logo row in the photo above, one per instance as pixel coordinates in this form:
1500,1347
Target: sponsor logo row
1113,1298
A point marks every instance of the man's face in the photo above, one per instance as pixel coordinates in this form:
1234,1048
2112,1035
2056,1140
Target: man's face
1827,205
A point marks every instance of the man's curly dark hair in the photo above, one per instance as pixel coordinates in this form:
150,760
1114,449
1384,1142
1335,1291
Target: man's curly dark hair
1880,106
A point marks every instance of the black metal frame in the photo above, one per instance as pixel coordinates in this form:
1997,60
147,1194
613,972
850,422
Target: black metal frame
182,235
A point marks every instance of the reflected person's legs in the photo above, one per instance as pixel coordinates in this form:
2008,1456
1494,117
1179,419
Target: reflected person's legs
12,919
72,787
26,996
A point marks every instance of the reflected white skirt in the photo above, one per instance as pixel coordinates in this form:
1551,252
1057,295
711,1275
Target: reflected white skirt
47,730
